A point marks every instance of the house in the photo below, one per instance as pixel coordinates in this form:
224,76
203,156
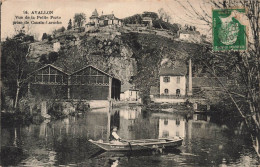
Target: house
94,21
173,81
192,36
103,20
129,93
148,18
88,83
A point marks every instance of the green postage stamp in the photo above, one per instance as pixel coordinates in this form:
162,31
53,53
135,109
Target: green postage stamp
228,31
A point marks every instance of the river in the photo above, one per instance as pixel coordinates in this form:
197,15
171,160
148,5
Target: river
65,142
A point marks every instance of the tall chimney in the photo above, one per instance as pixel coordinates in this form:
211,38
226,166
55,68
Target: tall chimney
190,79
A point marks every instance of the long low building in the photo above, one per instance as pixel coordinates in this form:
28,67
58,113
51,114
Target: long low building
88,83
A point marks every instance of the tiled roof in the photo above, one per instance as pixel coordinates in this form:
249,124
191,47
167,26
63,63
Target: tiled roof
173,71
128,86
94,14
108,16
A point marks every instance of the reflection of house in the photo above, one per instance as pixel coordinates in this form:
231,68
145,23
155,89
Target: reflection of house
173,81
129,93
171,127
88,83
128,117
103,20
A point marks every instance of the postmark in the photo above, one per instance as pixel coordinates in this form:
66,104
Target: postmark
229,33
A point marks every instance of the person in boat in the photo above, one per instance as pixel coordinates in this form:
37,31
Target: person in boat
114,138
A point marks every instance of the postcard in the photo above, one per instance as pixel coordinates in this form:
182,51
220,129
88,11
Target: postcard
130,83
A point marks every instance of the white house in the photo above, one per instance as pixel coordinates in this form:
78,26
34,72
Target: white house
173,81
192,36
129,93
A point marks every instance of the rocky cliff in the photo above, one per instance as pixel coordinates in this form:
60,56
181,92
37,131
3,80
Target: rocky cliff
133,57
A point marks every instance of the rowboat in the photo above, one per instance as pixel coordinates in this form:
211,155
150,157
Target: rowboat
140,145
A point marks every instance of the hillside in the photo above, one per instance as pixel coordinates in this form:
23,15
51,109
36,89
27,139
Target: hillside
130,56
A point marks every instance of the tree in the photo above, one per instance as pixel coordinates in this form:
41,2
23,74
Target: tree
44,36
15,66
243,67
163,15
79,19
62,29
69,25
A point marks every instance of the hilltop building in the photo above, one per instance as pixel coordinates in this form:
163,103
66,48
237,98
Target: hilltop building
103,20
192,36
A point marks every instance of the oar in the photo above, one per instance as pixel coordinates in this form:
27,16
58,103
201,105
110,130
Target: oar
128,143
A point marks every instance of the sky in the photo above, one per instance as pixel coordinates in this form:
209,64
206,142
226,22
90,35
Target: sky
66,9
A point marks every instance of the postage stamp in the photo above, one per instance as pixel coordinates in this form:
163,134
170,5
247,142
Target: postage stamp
229,33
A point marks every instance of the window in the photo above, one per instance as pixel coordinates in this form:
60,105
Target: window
166,79
166,91
165,122
178,79
178,122
178,92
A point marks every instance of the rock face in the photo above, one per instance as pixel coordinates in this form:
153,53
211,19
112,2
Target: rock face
129,56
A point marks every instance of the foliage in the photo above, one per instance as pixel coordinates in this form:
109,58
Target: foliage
62,29
163,15
49,59
79,19
135,19
56,111
49,38
243,68
13,60
153,15
23,37
44,36
69,25
164,25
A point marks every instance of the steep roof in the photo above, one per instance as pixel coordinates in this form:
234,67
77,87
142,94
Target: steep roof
94,14
173,71
108,16
128,86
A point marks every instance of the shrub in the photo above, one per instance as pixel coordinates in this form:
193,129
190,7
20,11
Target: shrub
44,36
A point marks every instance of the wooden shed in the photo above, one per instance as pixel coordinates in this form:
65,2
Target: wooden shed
91,83
88,83
49,82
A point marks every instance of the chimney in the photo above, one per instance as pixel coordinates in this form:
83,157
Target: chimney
190,79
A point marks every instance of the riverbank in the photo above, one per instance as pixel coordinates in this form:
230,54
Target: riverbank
20,118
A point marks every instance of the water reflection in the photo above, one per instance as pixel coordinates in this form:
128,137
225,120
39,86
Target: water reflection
65,142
